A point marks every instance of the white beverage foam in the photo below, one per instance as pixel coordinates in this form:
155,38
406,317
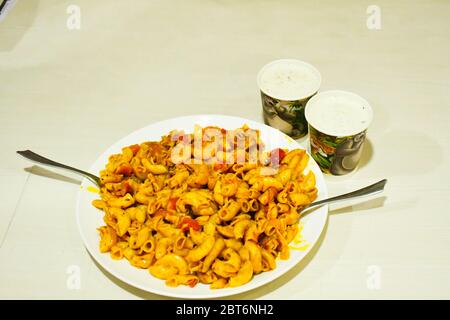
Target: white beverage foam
338,113
288,79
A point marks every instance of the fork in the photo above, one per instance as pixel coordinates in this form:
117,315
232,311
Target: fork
30,155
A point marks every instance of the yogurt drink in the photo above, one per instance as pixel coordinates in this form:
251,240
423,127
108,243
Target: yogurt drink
338,121
286,86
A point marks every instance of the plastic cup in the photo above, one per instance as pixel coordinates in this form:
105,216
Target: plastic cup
338,122
286,85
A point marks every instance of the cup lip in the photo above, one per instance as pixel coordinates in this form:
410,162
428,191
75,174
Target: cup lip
336,133
314,69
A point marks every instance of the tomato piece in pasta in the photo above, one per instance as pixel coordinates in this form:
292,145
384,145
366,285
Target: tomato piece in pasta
276,156
135,148
172,204
124,169
188,223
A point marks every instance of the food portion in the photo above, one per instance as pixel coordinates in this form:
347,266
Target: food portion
286,86
210,207
338,121
289,79
339,113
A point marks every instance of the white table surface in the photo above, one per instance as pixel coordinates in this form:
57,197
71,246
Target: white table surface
69,94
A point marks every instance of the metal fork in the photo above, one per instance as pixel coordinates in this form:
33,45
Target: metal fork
30,155
371,190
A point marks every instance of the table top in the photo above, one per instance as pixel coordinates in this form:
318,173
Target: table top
69,93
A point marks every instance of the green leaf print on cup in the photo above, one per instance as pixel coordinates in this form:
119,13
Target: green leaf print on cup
286,116
286,85
336,155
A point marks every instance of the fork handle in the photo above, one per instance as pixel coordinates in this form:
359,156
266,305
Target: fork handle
30,155
366,191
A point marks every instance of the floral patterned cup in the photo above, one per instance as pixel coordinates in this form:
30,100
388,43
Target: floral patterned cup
286,85
338,122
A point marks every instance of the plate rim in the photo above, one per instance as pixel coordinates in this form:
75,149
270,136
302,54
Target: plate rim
213,293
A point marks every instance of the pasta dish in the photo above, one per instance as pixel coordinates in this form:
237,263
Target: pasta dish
209,207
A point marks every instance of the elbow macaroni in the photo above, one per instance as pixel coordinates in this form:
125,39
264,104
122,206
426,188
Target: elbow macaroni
213,223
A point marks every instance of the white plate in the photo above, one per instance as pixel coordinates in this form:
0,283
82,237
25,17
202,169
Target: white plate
90,218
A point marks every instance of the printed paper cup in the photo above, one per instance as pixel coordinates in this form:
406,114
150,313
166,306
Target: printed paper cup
286,85
338,122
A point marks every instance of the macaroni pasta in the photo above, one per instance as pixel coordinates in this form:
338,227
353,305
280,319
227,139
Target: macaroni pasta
217,221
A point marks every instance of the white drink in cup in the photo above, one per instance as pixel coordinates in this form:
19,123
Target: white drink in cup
286,85
338,121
